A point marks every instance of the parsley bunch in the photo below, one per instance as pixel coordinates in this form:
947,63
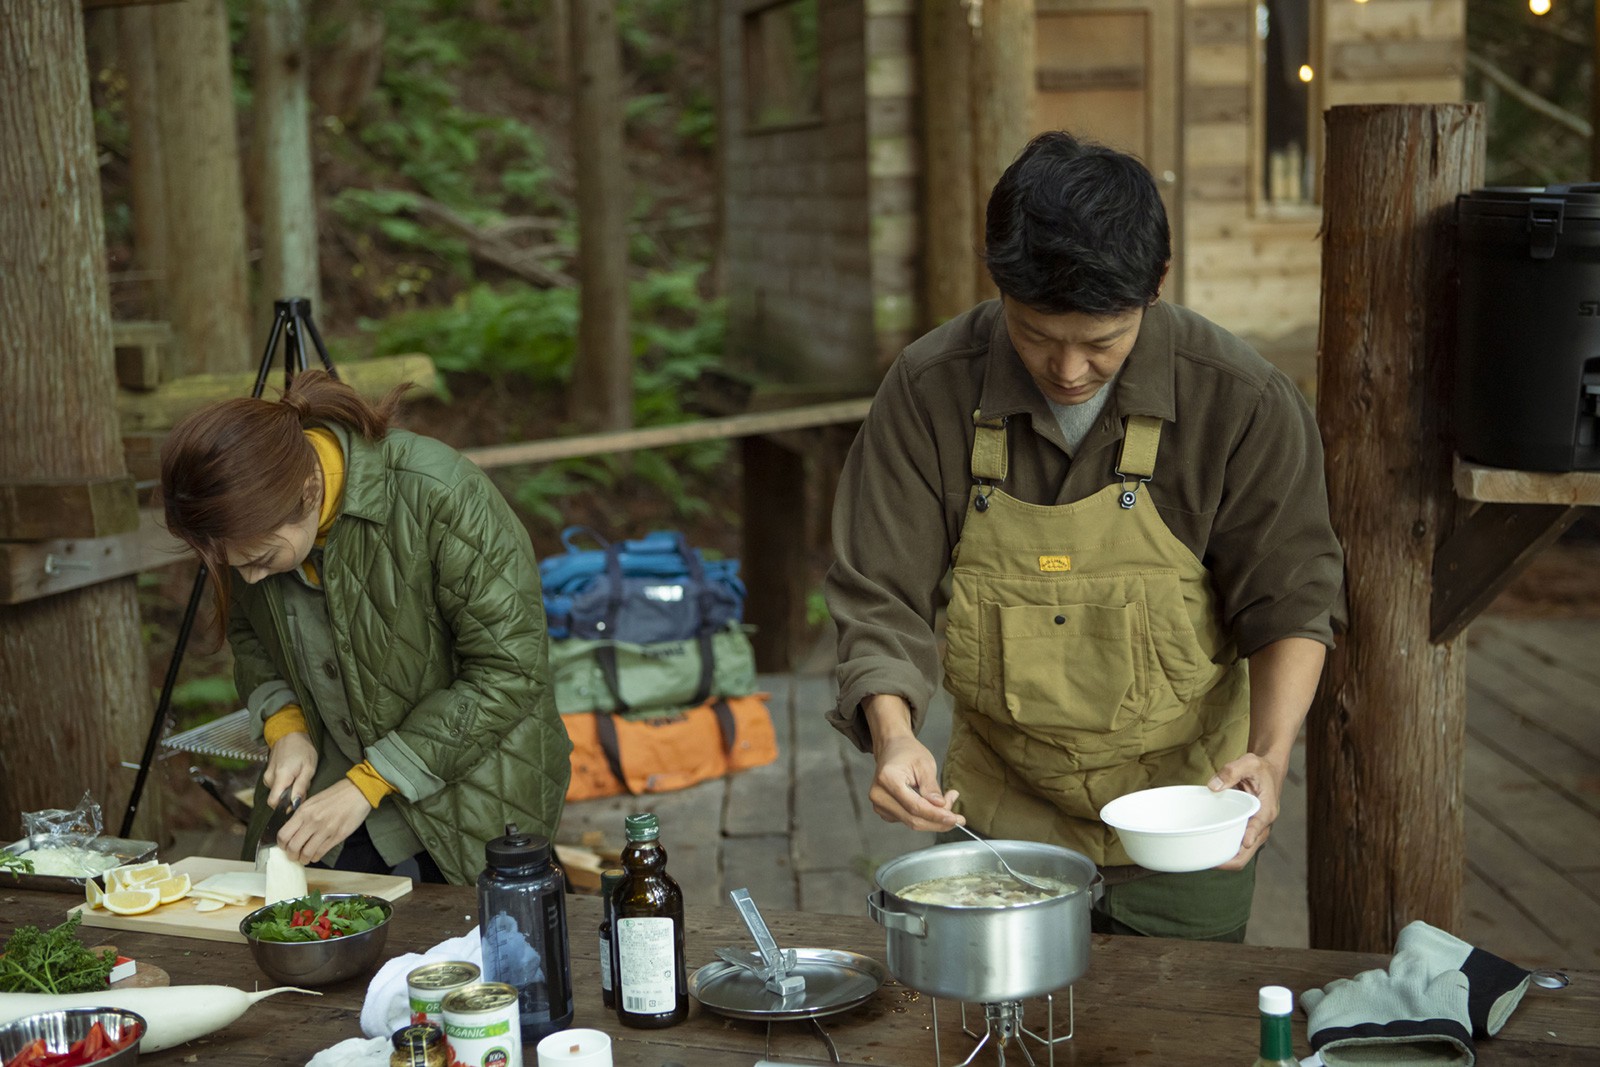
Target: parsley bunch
53,961
14,864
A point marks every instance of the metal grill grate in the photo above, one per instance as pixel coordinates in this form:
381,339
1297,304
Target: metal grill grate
229,737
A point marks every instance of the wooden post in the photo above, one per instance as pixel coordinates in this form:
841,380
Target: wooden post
1386,733
136,45
206,274
1004,73
951,206
601,393
74,682
774,547
286,195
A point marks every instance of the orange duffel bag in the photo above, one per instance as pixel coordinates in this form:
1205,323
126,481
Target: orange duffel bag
656,753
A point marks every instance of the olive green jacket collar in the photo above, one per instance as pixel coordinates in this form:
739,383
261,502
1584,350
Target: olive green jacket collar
1144,386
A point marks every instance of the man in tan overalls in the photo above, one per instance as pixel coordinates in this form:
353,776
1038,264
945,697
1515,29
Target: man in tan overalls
1129,506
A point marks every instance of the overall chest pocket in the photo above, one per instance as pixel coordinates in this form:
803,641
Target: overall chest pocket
1066,669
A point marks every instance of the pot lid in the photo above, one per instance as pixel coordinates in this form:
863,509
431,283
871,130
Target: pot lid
835,981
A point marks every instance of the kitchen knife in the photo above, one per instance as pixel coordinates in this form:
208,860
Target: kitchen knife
269,833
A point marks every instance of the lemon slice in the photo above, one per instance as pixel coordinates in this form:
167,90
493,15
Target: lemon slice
155,872
117,877
93,893
174,888
134,901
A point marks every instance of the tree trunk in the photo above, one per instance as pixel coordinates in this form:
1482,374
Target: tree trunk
349,56
283,147
74,686
601,397
1001,119
207,282
136,40
1386,733
951,204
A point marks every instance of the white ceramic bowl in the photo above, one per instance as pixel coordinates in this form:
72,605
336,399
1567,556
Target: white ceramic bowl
1181,827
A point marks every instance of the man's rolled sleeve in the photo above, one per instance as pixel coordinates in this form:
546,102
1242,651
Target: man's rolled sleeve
1277,563
891,551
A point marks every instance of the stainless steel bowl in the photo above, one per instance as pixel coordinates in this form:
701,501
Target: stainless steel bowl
317,963
61,1028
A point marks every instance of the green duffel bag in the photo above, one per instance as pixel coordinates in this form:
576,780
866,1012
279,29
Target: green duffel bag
665,676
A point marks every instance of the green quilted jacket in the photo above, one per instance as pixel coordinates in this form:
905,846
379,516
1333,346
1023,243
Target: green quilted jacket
434,603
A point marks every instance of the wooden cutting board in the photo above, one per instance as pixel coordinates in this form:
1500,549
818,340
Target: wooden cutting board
181,920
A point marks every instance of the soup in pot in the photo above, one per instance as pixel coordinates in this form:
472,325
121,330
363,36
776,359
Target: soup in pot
981,889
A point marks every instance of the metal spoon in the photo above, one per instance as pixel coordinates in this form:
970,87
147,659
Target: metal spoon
1024,879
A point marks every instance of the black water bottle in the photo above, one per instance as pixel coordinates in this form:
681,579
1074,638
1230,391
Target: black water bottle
522,915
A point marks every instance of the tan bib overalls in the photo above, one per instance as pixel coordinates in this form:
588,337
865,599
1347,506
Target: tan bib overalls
1085,656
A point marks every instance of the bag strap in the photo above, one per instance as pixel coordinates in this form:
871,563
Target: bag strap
605,731
725,723
571,534
606,656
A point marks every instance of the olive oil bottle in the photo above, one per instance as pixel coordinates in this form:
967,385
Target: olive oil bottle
647,950
1277,1038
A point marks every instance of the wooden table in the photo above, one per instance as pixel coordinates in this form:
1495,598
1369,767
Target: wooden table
1144,1001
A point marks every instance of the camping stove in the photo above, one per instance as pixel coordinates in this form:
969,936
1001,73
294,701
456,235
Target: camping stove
1003,1028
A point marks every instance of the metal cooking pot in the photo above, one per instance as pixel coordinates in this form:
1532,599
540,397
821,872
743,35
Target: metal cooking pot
987,955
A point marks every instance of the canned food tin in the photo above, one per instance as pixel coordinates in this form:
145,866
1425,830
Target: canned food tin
429,984
483,1026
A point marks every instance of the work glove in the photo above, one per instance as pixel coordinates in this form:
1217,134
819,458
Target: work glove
1405,1015
1495,987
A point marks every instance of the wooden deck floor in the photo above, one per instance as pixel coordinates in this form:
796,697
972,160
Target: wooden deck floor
799,833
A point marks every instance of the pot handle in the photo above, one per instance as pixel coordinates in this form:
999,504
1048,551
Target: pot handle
889,919
1097,887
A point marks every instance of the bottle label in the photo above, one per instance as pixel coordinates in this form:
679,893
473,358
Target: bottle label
645,962
605,964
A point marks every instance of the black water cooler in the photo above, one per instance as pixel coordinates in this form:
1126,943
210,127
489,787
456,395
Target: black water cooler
1527,391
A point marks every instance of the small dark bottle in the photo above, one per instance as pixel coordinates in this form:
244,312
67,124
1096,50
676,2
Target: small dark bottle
647,950
609,880
522,913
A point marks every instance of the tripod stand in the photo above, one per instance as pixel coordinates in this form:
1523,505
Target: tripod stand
291,323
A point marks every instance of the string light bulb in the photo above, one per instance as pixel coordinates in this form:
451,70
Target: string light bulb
1539,7
1306,73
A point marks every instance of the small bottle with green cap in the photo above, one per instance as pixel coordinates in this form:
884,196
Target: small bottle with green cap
609,880
647,947
1277,1035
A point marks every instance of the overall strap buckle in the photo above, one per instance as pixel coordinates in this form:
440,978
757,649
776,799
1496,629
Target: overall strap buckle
990,459
1140,442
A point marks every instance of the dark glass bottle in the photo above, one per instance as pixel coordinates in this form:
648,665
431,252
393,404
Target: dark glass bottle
1277,1041
647,951
609,880
522,913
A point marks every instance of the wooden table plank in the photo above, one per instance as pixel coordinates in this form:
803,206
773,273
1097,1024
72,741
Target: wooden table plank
1142,1001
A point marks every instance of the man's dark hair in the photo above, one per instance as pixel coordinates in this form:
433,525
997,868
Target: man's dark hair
1076,226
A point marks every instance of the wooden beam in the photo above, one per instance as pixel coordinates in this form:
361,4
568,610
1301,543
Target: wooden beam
1482,556
90,5
599,444
1498,485
32,570
162,408
36,510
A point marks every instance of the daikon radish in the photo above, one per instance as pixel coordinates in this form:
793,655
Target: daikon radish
286,879
174,1014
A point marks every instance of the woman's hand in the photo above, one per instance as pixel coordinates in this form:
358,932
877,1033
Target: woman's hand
1262,779
324,821
290,766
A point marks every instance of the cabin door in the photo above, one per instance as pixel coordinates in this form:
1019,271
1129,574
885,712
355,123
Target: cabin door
1109,70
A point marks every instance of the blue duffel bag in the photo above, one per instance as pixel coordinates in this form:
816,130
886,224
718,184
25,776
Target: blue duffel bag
655,588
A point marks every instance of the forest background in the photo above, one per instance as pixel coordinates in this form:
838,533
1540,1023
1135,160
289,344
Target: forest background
433,120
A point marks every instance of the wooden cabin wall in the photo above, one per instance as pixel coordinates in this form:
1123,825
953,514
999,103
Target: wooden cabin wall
1253,267
798,262
893,152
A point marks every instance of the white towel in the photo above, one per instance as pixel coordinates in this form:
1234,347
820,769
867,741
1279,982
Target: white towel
356,1052
388,1004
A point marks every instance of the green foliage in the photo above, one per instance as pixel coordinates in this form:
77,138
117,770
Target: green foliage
197,693
817,611
515,330
1548,55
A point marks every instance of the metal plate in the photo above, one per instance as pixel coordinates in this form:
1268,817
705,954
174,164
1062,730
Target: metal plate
125,851
835,981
